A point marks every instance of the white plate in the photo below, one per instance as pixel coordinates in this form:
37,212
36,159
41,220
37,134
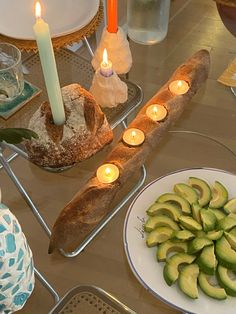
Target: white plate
64,17
142,260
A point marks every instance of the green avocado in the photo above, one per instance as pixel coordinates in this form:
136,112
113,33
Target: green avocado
231,239
230,206
210,290
207,261
186,192
225,281
160,221
167,247
168,209
227,223
189,223
171,271
233,231
183,235
226,256
203,188
196,212
188,280
208,220
158,235
218,213
214,235
219,196
198,244
176,199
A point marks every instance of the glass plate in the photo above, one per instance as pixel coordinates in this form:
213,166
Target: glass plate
142,260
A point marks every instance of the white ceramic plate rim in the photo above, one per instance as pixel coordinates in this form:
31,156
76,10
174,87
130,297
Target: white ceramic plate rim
65,29
132,263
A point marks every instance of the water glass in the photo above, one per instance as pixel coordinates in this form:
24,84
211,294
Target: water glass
11,75
147,20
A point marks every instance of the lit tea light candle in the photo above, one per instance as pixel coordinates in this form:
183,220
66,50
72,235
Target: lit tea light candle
133,137
179,87
107,173
156,112
106,65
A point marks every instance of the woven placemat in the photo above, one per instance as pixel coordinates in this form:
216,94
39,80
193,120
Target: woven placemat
62,41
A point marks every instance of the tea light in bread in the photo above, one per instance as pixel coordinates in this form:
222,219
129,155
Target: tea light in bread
133,137
179,87
156,112
107,173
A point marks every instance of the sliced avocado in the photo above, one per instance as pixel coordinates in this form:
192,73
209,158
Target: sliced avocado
230,206
186,192
196,212
199,234
219,195
226,256
164,209
212,291
189,223
218,213
167,247
198,244
231,239
203,188
207,261
208,220
158,235
171,271
183,235
176,199
214,235
227,223
233,231
160,221
225,281
188,280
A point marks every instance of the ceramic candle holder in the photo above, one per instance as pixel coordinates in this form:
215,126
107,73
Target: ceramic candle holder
118,50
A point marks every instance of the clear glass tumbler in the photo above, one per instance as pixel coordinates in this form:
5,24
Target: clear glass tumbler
11,75
147,20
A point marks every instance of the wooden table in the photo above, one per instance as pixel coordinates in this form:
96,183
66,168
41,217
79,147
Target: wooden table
193,25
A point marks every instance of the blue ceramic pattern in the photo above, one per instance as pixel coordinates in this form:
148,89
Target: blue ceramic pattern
16,264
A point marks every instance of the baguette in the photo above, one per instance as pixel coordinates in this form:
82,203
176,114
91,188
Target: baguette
91,204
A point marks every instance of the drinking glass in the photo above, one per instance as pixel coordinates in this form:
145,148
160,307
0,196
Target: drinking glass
11,76
147,20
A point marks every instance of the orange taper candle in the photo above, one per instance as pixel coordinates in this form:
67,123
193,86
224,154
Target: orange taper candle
112,16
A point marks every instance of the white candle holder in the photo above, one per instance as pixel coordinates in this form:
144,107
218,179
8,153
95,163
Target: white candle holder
133,137
107,173
156,112
179,87
118,50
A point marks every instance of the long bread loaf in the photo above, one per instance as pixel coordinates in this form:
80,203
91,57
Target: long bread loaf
91,204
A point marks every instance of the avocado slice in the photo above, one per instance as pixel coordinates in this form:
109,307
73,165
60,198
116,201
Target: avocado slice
226,256
227,223
233,231
168,209
176,199
219,195
214,235
188,280
189,223
225,281
171,271
169,246
198,244
183,235
231,239
186,192
207,261
158,235
210,290
230,206
160,221
203,188
218,213
196,212
208,220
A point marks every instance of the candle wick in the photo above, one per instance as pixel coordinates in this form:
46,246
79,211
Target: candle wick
108,171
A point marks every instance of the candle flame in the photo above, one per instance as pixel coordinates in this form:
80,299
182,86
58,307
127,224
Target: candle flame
105,57
179,84
133,134
155,110
107,171
38,10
